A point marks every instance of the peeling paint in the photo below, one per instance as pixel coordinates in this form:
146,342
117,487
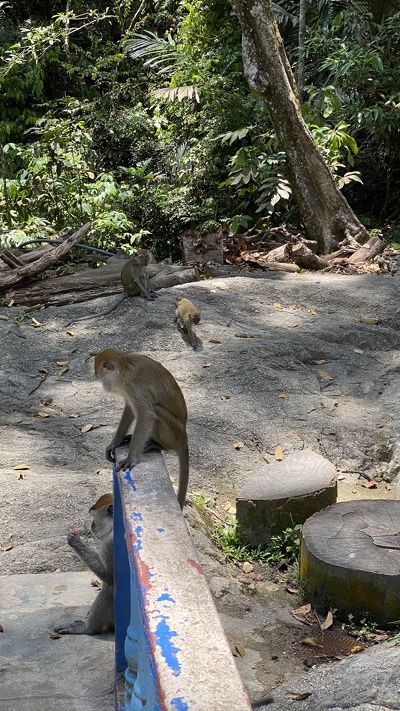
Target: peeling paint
195,565
128,478
169,651
165,596
179,704
160,530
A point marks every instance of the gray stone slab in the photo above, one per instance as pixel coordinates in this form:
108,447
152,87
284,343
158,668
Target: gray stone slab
37,673
283,494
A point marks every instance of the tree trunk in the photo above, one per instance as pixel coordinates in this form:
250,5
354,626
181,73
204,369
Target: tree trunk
326,215
302,57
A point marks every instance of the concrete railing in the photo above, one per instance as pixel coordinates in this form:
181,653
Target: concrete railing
171,650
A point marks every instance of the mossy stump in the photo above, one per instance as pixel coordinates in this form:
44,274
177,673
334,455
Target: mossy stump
284,494
350,559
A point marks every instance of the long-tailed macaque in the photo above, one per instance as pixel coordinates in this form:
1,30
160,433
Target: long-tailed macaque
153,401
101,613
186,315
134,280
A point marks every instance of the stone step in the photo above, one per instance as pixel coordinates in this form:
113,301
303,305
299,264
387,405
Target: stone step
37,673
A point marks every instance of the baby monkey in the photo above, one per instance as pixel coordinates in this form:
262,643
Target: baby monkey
187,315
134,280
101,613
154,403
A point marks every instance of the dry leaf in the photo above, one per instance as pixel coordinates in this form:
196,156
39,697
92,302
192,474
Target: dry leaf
245,581
36,323
205,364
278,306
4,318
42,414
247,567
96,583
45,402
357,648
369,485
62,362
64,370
303,610
240,650
214,340
227,505
6,548
238,445
247,335
387,487
297,437
20,475
324,375
266,458
368,320
297,696
210,297
74,414
55,635
313,312
311,642
71,333
86,428
278,453
225,397
292,591
328,622
21,467
319,362
283,395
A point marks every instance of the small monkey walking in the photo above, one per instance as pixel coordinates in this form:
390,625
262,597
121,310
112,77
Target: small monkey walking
187,315
134,280
153,401
101,613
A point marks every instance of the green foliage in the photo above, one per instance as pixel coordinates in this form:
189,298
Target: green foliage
283,547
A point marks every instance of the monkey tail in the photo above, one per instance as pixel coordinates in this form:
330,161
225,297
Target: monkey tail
183,474
102,313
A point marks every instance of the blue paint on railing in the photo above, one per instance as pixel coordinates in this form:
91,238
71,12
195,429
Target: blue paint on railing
160,530
165,596
179,704
136,515
168,650
129,479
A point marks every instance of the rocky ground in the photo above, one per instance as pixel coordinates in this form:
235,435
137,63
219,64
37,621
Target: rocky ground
329,344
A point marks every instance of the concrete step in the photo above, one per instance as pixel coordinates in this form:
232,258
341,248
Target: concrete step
37,673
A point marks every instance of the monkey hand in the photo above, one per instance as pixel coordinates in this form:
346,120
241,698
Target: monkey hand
128,463
73,538
110,452
151,295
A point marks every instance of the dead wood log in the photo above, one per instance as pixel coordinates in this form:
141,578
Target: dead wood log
10,259
47,260
96,283
305,258
368,251
280,254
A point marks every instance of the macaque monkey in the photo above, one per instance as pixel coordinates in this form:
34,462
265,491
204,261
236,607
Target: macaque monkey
101,613
134,280
186,315
153,401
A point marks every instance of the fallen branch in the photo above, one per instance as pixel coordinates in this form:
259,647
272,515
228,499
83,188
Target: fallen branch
40,265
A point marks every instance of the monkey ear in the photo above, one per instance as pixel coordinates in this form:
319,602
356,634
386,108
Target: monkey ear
107,365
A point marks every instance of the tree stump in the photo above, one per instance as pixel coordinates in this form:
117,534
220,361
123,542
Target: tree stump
350,559
283,494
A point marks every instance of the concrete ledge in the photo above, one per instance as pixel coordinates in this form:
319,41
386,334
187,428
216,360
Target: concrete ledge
42,674
283,494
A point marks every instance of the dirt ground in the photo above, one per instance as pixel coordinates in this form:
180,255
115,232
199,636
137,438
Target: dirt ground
262,336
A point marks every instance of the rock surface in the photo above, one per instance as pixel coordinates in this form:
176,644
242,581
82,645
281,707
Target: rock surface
304,340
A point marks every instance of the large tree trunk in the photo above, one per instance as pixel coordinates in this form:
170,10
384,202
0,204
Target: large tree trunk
326,214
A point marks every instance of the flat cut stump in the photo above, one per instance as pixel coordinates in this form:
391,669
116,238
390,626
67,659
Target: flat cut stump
284,494
350,559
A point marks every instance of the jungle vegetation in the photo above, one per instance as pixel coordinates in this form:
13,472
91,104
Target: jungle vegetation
136,115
